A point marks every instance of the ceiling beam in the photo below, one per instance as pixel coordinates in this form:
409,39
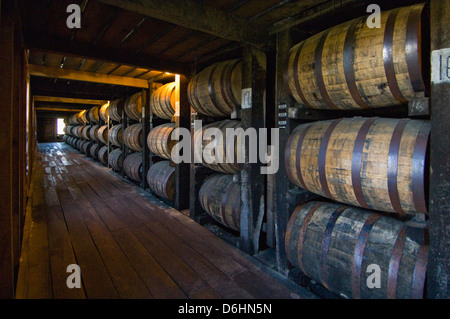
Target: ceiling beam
56,99
58,45
192,15
58,73
56,109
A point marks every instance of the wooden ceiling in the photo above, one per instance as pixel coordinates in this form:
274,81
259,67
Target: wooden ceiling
144,39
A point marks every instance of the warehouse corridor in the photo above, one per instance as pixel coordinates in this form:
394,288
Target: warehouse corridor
126,245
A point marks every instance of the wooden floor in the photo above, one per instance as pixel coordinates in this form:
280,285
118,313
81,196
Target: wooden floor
127,245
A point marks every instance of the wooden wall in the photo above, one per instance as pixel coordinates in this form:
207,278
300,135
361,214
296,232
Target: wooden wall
17,144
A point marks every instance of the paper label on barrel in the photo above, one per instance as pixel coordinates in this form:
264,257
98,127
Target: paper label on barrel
440,66
247,98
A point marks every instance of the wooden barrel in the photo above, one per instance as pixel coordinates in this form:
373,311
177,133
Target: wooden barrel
132,137
74,130
115,135
85,147
73,119
162,101
335,244
67,129
133,106
94,151
115,109
132,166
217,90
159,140
102,134
78,144
94,114
103,112
161,179
81,117
374,163
115,159
220,197
79,131
93,132
85,117
352,66
102,155
215,146
85,132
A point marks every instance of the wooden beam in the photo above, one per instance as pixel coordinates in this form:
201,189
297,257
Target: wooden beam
57,73
57,109
438,275
56,99
193,15
74,48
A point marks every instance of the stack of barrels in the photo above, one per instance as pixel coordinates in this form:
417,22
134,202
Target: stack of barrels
371,171
216,92
86,133
115,113
161,174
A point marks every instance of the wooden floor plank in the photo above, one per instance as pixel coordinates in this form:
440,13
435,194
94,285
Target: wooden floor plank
127,243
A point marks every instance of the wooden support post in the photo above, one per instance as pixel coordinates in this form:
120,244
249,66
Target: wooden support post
281,181
146,93
438,277
6,148
182,120
252,117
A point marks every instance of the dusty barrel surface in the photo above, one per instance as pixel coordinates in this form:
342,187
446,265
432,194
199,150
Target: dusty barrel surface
352,66
374,163
336,245
102,134
102,155
162,101
94,114
161,179
103,112
159,140
115,135
93,132
85,132
220,197
115,159
217,147
94,151
217,90
132,137
132,166
133,106
115,109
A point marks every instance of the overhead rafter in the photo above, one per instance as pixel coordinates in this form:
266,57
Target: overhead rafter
57,99
193,15
58,73
56,109
62,46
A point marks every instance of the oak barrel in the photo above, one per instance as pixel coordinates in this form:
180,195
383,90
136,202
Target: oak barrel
133,106
217,90
102,155
132,166
85,132
94,151
93,132
162,101
352,66
85,147
102,134
81,117
374,163
161,179
220,197
335,244
79,131
115,135
115,159
159,140
115,109
217,148
132,137
103,112
94,114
